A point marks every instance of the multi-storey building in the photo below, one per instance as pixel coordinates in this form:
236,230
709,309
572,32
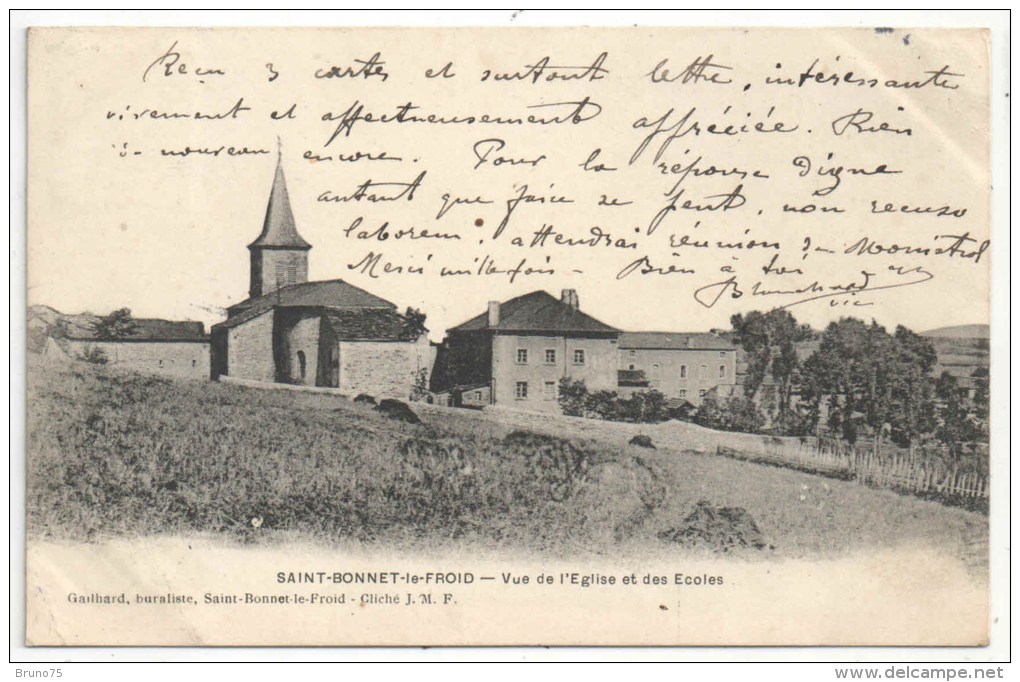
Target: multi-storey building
516,353
682,366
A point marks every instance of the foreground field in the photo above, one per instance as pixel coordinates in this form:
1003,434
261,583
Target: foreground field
112,453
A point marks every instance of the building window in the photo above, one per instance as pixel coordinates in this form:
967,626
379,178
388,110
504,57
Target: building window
633,353
656,370
701,393
521,390
550,390
682,393
683,371
722,353
722,371
550,356
193,362
579,357
631,366
522,356
301,363
478,396
160,363
704,372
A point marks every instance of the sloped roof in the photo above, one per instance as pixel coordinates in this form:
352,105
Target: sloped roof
148,330
538,311
333,293
241,317
367,324
674,341
278,228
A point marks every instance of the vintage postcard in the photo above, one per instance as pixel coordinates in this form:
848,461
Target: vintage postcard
485,336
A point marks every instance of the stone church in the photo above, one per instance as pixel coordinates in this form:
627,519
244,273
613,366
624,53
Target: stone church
327,333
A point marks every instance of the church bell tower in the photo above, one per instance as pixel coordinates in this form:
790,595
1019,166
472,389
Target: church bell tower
279,257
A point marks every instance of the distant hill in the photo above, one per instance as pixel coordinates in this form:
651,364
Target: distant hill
48,318
960,331
45,322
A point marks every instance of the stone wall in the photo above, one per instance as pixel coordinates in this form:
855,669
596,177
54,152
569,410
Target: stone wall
382,369
250,349
300,348
476,397
178,358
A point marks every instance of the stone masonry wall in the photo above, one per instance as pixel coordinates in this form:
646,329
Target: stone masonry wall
250,349
303,337
382,369
178,358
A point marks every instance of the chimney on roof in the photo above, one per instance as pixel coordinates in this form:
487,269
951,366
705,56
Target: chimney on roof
569,297
493,313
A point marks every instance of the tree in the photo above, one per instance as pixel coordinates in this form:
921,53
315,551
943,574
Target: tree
981,399
869,377
643,407
769,341
736,413
421,384
576,400
907,379
415,322
956,426
117,325
571,397
842,372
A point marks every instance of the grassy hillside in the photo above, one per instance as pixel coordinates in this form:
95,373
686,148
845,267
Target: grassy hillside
116,453
961,331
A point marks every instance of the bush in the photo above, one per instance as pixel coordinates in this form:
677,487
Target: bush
571,397
643,407
97,356
642,441
364,398
394,409
792,423
561,466
719,529
735,414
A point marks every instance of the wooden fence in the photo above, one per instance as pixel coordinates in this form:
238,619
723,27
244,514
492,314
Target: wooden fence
916,472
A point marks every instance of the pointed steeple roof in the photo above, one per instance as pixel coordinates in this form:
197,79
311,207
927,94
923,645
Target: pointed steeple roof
279,230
